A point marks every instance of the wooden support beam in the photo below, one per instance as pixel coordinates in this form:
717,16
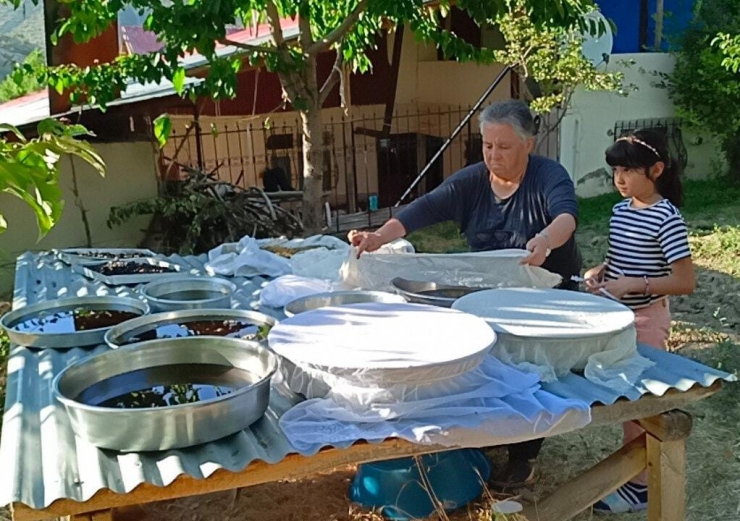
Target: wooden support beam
669,426
666,479
101,515
647,406
598,481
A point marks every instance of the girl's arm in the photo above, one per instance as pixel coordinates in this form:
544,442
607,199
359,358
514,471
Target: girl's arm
681,281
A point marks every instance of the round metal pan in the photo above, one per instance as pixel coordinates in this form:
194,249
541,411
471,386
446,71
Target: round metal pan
67,339
84,385
339,298
123,334
189,293
432,293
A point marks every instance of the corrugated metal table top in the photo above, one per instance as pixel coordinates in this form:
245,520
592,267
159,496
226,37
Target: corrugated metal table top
41,460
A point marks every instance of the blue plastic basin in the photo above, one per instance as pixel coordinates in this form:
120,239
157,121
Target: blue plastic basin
397,489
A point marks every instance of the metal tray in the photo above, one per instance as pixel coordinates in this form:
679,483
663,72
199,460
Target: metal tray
189,293
122,334
134,278
339,298
66,339
76,255
423,292
84,386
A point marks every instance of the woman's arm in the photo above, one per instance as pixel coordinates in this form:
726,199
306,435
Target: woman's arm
553,236
371,241
681,281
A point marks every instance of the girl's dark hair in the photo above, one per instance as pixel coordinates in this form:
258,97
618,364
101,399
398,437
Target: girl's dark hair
629,152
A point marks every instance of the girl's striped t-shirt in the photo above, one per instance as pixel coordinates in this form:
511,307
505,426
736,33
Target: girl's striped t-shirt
645,242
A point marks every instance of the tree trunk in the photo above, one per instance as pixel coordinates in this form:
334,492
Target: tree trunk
313,157
731,146
313,168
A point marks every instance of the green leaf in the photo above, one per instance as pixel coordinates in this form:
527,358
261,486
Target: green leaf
178,80
5,127
162,129
3,223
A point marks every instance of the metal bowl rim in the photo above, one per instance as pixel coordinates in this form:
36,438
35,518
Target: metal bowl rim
152,344
343,293
202,313
132,302
221,283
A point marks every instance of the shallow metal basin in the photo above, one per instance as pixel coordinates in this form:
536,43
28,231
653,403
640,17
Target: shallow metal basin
86,389
129,331
423,292
339,298
189,293
60,338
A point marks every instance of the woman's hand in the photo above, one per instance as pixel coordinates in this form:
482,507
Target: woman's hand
538,246
365,241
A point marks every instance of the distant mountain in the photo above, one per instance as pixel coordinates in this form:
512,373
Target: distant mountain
21,31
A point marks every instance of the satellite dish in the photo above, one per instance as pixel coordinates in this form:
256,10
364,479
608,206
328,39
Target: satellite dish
597,48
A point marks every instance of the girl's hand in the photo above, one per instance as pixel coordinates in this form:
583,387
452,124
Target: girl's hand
365,241
594,276
618,288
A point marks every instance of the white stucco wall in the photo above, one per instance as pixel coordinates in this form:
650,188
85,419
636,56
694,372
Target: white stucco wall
131,176
586,131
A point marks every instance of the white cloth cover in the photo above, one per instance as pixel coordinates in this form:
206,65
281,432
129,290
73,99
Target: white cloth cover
374,346
555,331
322,258
277,293
492,404
500,268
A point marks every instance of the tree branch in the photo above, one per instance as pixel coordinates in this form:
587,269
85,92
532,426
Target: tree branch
337,34
247,47
277,30
334,76
304,24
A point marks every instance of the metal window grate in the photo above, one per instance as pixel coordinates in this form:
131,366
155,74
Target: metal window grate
671,128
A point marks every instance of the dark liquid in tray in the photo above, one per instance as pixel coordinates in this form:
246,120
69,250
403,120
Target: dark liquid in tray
130,268
166,386
227,328
74,320
192,294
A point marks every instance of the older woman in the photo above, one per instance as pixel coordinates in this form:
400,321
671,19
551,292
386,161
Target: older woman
513,199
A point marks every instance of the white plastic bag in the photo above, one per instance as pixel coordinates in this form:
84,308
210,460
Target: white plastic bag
277,293
245,259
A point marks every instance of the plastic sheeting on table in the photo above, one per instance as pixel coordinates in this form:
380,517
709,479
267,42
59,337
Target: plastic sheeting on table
492,404
494,269
372,353
555,331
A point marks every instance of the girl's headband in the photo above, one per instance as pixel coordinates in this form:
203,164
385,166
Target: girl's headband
633,139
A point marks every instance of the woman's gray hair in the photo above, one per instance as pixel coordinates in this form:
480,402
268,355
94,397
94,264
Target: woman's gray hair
511,112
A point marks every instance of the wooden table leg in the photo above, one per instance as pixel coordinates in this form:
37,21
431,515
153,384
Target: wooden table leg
666,463
666,479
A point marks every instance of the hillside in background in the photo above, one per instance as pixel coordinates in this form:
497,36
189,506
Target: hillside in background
21,31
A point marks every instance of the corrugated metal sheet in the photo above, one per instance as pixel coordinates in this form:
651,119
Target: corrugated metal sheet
41,460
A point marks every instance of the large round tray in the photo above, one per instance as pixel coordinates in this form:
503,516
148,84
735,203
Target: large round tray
123,333
339,298
432,293
69,339
139,366
189,293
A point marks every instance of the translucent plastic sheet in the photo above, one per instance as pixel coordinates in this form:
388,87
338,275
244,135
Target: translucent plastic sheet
378,346
489,405
552,332
494,269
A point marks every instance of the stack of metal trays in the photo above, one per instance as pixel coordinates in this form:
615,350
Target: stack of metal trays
167,394
339,298
70,322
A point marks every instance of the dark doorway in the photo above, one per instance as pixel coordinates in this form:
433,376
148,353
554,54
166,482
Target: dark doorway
400,159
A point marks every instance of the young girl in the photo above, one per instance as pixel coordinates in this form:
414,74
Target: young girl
648,259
